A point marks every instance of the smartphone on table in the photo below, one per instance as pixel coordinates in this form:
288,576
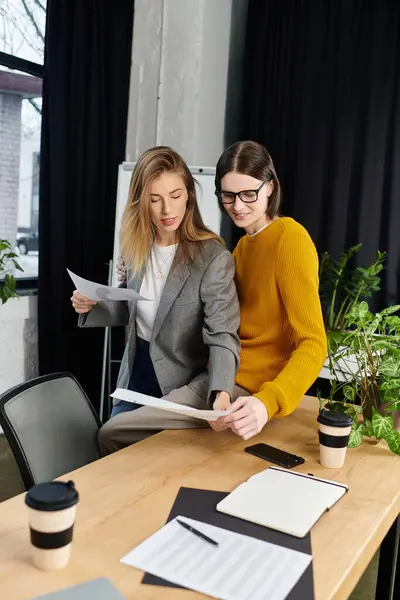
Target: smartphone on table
275,455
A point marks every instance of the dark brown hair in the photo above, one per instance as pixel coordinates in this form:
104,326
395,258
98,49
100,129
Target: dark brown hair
137,230
250,158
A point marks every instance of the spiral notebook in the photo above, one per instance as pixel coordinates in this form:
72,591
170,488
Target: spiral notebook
283,500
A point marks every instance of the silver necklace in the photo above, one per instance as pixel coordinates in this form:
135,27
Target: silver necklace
159,274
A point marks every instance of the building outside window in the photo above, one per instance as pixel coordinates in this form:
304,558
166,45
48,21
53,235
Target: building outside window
22,27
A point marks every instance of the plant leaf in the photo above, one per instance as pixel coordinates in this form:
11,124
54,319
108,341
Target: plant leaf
337,407
335,340
363,309
390,310
368,429
342,407
382,425
390,366
388,345
393,323
393,441
356,435
349,392
391,384
395,405
5,245
320,400
17,265
374,324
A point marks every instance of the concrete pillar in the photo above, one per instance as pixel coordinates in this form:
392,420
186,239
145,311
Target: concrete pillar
184,55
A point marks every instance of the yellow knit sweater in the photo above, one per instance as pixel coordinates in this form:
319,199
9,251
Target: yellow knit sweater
282,331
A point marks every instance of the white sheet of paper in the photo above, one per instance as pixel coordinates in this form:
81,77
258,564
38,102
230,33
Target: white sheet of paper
160,403
240,568
102,293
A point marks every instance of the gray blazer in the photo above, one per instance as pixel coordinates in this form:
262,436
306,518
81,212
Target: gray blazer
195,327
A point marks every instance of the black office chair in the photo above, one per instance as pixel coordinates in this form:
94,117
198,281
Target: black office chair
51,427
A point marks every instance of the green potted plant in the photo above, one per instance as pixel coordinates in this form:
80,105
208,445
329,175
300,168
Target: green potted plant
367,352
8,262
342,286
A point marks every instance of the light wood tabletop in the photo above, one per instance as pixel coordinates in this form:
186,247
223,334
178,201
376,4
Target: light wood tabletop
126,497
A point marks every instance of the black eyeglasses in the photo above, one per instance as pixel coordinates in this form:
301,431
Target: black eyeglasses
246,196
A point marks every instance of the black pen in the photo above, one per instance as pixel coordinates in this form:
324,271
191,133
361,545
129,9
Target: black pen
198,533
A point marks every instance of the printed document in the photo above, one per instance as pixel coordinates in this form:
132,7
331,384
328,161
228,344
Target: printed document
205,415
102,293
240,568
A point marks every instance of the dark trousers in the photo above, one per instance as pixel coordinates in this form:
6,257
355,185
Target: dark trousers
143,378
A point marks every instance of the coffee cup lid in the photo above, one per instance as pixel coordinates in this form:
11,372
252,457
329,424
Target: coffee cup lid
52,496
334,419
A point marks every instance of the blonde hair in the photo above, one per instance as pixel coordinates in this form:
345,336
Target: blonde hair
138,232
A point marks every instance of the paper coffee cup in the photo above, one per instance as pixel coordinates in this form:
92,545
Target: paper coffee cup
334,434
52,509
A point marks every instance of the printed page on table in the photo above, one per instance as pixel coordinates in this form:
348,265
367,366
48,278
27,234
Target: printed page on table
239,568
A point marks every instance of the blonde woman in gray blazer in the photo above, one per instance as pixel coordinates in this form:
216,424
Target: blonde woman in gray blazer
186,335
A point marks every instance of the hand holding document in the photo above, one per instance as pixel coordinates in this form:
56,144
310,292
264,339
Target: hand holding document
101,293
160,403
239,568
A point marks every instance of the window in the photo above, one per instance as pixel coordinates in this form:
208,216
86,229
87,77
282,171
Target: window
22,26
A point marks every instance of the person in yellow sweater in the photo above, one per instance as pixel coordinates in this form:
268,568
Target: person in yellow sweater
282,334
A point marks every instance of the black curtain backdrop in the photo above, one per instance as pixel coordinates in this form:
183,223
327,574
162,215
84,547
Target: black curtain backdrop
85,106
321,92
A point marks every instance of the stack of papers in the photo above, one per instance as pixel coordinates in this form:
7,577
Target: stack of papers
240,568
180,409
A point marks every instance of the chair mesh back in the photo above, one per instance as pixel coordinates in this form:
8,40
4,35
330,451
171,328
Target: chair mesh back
55,427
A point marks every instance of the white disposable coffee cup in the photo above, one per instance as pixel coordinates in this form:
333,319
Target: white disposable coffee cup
52,510
334,434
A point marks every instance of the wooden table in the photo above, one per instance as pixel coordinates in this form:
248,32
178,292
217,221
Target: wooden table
127,496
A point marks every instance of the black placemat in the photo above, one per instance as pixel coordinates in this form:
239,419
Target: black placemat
200,505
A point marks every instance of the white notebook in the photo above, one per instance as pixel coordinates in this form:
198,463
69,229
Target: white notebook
284,500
